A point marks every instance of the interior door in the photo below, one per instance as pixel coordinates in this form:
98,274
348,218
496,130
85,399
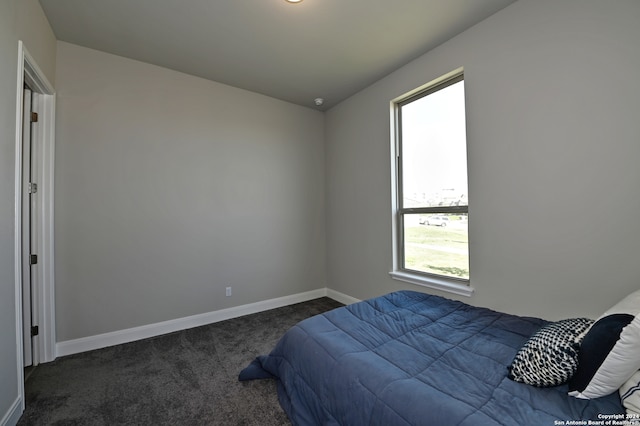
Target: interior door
28,198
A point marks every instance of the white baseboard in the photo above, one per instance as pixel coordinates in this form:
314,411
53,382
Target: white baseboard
341,297
12,416
99,341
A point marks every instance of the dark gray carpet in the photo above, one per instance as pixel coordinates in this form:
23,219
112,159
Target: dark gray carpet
184,378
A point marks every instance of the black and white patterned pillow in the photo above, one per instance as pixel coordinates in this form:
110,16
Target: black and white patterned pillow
550,356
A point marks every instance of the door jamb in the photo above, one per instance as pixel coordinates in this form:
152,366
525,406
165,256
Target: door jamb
44,136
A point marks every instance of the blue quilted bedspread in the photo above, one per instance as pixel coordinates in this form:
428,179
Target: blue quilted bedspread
410,358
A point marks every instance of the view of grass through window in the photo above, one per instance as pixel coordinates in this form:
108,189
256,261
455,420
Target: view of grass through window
437,244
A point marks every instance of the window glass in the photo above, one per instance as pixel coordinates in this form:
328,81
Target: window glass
432,182
434,149
437,244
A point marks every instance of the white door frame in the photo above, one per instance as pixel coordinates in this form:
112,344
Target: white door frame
44,138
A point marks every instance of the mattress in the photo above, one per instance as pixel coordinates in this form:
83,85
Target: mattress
409,358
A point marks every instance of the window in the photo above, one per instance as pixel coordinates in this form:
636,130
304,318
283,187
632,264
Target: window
431,210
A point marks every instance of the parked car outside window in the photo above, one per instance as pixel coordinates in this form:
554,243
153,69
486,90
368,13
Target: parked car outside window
434,220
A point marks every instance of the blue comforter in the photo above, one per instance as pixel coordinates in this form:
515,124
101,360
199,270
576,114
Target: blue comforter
410,358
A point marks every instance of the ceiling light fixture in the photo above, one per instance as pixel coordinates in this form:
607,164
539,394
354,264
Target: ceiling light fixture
318,101
293,1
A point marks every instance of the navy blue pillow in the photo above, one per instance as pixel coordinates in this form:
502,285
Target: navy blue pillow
595,347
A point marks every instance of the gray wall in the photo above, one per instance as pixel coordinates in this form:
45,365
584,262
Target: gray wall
19,20
170,188
553,105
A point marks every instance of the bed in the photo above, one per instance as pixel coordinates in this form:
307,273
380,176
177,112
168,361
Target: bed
409,358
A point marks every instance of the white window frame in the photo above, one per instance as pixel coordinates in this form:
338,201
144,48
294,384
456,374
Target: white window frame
439,282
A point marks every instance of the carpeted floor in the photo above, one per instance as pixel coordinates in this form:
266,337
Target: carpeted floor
184,378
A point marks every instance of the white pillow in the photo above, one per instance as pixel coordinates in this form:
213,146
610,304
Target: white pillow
610,352
630,394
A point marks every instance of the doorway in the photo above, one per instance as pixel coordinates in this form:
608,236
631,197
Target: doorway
29,238
34,246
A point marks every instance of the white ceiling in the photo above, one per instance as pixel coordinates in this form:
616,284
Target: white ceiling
294,52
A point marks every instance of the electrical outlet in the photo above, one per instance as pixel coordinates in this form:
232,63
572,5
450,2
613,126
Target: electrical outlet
228,291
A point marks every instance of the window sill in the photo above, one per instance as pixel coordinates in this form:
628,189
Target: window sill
437,283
